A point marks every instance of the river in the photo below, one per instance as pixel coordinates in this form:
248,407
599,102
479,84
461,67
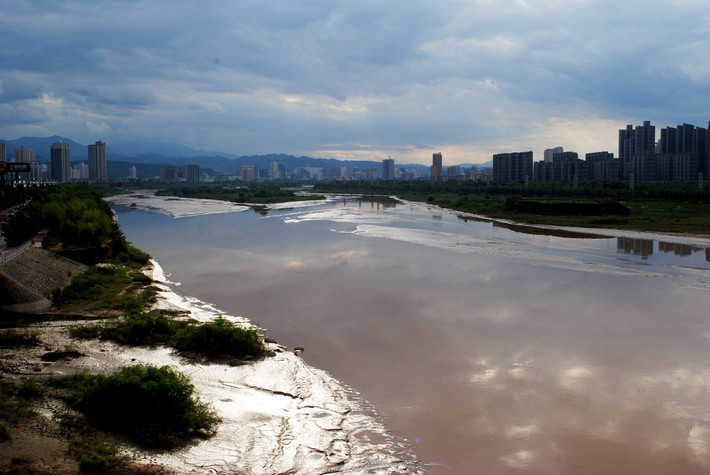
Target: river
489,350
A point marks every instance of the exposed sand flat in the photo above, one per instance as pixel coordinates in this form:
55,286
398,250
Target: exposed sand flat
172,206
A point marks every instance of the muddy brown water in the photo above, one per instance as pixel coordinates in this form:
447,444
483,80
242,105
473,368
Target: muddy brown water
489,350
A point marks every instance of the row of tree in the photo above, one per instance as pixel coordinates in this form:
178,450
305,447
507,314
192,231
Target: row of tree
77,221
618,190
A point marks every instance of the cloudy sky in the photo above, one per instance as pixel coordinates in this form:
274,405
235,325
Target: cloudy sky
360,79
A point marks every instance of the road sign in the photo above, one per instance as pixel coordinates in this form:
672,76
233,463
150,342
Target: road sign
18,167
3,167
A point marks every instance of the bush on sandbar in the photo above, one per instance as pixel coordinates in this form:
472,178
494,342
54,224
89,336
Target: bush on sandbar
156,407
218,338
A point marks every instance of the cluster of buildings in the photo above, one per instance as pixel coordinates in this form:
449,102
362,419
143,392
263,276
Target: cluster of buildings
681,154
278,171
189,173
60,170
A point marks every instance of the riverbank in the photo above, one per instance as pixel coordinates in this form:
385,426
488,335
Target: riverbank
279,415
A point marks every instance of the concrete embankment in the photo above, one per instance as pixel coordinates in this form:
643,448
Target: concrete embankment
27,280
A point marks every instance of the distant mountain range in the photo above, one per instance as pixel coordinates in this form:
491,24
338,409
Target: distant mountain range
148,156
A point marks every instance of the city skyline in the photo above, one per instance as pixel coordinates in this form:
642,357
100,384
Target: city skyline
350,80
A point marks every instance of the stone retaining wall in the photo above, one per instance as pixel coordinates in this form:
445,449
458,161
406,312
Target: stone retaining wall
27,280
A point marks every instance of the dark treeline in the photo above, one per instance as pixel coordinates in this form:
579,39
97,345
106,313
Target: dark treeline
615,191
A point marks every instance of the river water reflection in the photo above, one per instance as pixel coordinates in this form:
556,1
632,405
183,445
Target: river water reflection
490,350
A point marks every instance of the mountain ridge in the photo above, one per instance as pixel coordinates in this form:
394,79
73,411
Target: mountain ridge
162,153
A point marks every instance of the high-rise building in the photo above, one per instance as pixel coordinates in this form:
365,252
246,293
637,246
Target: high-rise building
515,166
637,149
437,169
24,155
565,167
27,155
248,172
61,169
3,152
80,172
168,173
548,154
274,171
602,166
192,173
132,172
388,169
97,161
686,140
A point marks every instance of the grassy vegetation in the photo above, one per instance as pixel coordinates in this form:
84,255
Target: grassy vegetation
117,287
216,339
22,459
156,407
661,207
219,337
13,337
253,194
95,451
15,403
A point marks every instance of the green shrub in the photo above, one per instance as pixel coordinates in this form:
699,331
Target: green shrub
89,285
145,328
4,433
13,406
129,253
157,407
22,459
32,388
132,301
219,338
140,277
12,337
86,331
95,452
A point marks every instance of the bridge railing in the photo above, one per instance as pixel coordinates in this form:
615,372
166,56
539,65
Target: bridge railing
13,252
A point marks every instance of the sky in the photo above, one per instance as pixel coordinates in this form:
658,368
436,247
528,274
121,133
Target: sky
359,80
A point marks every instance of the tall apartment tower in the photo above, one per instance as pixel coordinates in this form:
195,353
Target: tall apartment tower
436,166
636,147
27,155
3,152
637,141
97,161
513,167
274,171
61,170
686,140
388,169
192,173
548,154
